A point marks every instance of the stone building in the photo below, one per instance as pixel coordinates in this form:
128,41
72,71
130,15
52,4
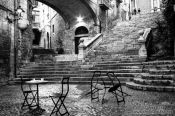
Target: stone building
14,41
131,7
55,33
146,6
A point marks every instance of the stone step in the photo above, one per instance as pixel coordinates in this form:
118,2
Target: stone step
117,63
79,71
74,75
153,82
162,66
159,62
133,85
50,69
157,77
93,66
52,66
155,71
115,67
76,80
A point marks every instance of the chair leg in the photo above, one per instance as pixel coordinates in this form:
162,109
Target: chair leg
65,109
56,109
94,92
55,106
104,93
26,103
34,99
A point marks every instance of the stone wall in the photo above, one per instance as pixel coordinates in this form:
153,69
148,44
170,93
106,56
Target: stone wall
11,44
57,36
24,43
5,39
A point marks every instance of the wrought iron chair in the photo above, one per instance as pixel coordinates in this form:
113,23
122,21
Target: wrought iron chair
116,88
29,95
97,85
59,98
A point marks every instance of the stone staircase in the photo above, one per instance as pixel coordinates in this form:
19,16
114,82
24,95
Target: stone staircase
156,76
118,52
80,73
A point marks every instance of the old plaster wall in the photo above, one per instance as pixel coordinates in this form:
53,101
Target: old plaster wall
10,40
57,34
25,42
5,39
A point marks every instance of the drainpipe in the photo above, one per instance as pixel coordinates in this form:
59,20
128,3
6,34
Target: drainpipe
15,51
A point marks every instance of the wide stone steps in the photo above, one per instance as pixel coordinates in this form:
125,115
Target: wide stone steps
156,76
77,80
150,87
153,82
80,71
155,71
74,75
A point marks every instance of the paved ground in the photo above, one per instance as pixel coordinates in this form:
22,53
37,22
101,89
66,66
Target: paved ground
141,103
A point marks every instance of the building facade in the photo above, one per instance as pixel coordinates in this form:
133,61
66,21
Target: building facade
15,42
52,32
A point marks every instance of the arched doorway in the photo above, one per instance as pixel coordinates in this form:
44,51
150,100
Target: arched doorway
80,32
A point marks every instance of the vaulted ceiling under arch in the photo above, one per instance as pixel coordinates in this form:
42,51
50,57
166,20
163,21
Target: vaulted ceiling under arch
71,9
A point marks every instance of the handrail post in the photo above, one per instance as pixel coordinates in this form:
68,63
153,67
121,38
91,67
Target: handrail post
81,54
142,39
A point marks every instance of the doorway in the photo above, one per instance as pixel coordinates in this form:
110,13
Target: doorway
80,32
37,38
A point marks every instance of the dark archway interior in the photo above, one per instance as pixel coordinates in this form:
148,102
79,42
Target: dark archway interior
37,38
79,31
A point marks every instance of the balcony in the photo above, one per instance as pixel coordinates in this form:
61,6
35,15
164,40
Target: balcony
104,4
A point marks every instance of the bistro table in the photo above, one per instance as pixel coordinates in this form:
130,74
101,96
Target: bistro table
37,82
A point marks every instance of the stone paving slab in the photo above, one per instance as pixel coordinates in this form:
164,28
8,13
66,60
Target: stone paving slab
141,103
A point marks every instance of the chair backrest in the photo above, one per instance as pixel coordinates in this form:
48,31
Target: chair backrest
113,78
65,85
95,76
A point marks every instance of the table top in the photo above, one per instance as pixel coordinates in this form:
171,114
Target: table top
36,82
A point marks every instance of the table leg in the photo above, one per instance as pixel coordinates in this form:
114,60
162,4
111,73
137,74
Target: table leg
37,96
38,110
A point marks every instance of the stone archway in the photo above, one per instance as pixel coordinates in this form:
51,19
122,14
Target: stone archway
71,9
81,31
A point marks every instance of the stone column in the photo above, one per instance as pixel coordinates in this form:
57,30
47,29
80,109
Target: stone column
12,52
81,50
142,50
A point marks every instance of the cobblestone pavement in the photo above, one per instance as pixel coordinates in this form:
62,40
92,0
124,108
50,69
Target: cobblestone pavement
141,103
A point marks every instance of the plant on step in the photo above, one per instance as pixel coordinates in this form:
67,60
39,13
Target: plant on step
160,44
169,16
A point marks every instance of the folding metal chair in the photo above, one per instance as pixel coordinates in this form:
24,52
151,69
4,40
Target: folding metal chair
96,86
59,98
29,95
116,88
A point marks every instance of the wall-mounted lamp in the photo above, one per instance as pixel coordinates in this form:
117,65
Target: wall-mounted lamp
17,15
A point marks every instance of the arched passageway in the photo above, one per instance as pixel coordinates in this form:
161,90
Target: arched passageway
71,9
79,32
